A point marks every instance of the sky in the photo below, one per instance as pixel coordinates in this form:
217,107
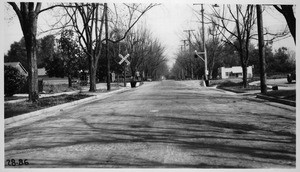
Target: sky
167,22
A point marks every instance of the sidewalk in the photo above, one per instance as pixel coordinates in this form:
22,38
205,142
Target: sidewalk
85,89
43,113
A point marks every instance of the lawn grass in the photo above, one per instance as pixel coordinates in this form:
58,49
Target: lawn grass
49,89
283,94
58,88
14,109
236,86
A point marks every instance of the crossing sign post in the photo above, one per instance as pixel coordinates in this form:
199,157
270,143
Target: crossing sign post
124,59
127,63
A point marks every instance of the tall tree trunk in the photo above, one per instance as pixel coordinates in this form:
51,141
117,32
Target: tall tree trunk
211,68
28,16
32,62
70,81
133,73
93,72
29,31
244,68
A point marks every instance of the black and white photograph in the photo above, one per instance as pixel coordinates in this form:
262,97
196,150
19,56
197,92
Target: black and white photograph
205,85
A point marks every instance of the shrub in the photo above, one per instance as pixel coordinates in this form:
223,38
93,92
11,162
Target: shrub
13,80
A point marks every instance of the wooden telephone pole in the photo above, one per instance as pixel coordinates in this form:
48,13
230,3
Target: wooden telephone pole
262,60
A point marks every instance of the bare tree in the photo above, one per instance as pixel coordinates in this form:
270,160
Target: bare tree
146,53
214,45
182,64
155,62
138,45
243,21
88,22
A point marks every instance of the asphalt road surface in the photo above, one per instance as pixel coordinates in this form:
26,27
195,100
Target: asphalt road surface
160,124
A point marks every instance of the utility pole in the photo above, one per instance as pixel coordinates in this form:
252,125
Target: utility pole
204,48
261,45
106,48
184,44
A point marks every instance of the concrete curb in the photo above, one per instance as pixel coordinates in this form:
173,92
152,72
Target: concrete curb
15,101
43,113
44,95
273,99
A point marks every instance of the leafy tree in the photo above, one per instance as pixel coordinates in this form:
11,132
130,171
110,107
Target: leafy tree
17,53
254,60
68,60
70,54
54,66
281,62
13,80
46,49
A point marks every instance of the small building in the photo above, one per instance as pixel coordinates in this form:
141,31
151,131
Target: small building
42,72
18,66
234,72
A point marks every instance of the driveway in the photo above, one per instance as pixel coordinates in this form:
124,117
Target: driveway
173,124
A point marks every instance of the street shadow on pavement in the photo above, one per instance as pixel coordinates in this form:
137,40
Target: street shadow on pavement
222,142
216,134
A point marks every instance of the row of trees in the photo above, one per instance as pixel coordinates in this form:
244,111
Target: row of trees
89,21
60,57
230,33
280,61
63,56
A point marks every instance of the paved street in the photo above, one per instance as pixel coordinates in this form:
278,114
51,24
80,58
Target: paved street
161,124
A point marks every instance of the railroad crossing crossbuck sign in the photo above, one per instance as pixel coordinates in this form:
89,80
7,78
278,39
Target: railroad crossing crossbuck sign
124,59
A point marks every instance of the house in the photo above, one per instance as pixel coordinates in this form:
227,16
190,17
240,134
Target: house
42,72
234,72
18,66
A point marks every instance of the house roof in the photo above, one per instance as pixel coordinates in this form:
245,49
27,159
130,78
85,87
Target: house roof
13,64
17,65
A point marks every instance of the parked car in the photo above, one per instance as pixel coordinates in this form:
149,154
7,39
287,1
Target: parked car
291,77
